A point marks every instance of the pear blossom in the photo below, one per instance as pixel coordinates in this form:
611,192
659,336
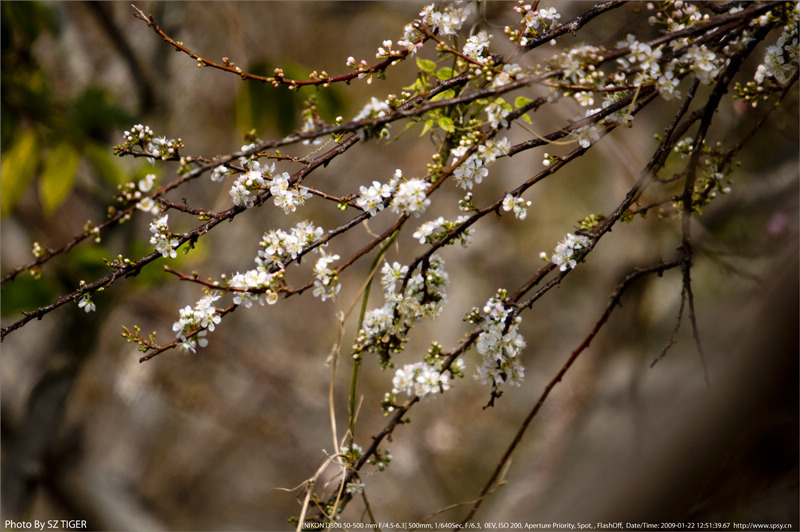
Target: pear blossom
372,198
219,172
420,379
477,46
516,204
448,20
410,198
326,282
423,296
569,250
435,230
499,344
165,243
86,303
287,198
204,315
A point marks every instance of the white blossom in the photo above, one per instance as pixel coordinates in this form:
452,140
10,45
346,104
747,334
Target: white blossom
448,20
162,239
516,204
204,316
508,75
569,250
410,198
371,198
419,379
326,282
219,172
435,230
285,197
423,296
500,344
546,17
477,45
86,303
497,114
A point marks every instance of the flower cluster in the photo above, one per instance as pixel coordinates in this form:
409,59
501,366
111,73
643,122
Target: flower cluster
326,282
500,344
533,21
545,17
163,148
139,134
419,379
438,229
411,39
569,251
780,59
354,487
667,83
219,173
372,198
142,136
587,135
245,189
507,75
375,108
278,247
251,162
146,204
516,204
255,285
162,238
285,197
704,63
641,55
447,21
131,192
411,197
477,47
473,170
422,296
201,318
497,112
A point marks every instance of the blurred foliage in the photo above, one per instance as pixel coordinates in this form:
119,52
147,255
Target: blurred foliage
42,134
262,107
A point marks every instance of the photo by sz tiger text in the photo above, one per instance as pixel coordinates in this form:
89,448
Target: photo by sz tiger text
49,524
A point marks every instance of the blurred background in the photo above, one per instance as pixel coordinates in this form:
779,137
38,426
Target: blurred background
218,440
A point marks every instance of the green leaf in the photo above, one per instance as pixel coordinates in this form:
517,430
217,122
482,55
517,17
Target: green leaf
450,93
428,125
445,73
19,165
447,124
58,175
426,65
521,101
417,85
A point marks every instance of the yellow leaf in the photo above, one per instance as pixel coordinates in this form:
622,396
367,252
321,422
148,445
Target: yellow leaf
426,65
20,162
58,176
447,124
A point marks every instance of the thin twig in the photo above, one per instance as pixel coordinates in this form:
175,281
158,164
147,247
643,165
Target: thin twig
614,301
